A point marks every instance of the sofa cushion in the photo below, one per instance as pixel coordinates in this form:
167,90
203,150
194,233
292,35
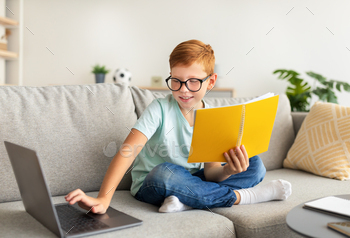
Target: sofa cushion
268,219
15,222
75,129
142,98
322,145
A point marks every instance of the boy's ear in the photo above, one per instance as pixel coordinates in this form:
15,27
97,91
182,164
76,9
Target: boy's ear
212,81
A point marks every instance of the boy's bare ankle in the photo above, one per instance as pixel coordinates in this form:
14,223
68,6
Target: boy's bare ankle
238,196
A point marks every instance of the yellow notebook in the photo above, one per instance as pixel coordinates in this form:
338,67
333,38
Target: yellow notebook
217,130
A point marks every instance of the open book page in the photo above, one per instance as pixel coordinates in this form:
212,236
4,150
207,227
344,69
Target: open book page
331,204
267,95
264,96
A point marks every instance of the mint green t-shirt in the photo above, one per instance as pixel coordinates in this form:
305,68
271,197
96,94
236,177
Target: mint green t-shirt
169,139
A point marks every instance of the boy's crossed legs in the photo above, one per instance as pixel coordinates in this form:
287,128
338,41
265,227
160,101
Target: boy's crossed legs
181,190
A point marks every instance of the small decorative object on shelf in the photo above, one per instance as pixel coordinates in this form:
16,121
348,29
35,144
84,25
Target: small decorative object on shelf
100,72
3,44
11,43
3,39
4,53
156,81
123,76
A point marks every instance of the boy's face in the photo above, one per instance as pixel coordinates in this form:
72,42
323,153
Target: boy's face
186,99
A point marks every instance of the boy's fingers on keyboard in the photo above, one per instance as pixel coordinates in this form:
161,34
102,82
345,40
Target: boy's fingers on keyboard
77,198
88,202
92,205
74,193
83,206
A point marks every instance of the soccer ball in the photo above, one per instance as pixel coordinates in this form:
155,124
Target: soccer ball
122,75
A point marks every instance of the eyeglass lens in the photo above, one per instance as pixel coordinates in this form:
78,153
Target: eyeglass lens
192,84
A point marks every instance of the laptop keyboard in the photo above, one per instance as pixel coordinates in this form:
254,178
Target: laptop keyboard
74,221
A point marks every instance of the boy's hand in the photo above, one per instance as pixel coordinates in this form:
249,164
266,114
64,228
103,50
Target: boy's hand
237,161
94,205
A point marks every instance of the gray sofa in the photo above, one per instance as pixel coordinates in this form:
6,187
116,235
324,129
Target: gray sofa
77,129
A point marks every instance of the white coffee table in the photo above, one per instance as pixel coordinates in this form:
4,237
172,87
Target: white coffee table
314,224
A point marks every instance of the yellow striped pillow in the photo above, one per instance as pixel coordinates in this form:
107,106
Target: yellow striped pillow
322,145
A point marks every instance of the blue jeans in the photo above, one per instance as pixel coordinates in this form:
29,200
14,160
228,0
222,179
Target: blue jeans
193,190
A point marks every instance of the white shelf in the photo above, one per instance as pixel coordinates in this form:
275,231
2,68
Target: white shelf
11,17
8,55
7,22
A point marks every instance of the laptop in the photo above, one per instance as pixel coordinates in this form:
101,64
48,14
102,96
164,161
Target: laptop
62,219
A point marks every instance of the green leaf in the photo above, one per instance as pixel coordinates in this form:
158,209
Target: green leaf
318,77
337,86
346,87
286,74
322,93
299,92
332,98
325,94
329,84
97,69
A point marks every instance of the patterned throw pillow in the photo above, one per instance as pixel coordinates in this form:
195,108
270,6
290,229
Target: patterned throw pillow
322,145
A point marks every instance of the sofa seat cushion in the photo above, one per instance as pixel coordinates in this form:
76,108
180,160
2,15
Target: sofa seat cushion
269,219
15,222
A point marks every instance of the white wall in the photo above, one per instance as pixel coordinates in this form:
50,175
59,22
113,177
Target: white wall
2,32
140,36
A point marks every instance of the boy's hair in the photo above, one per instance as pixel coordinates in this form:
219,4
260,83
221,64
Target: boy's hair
189,52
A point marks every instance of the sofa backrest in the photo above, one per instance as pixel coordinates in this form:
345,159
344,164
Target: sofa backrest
75,129
298,118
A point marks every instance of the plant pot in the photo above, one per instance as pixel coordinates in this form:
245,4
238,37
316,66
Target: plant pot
100,78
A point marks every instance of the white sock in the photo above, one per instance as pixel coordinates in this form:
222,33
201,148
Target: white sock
173,204
274,190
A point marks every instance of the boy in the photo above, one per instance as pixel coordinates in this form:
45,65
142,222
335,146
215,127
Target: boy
167,180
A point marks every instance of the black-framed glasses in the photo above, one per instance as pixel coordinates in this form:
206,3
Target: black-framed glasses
192,84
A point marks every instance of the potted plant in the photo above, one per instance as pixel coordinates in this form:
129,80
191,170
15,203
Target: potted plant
299,93
100,72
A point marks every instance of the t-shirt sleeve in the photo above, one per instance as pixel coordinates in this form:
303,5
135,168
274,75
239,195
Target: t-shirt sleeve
150,120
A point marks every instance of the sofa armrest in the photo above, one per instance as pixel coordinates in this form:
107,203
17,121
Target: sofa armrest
298,118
